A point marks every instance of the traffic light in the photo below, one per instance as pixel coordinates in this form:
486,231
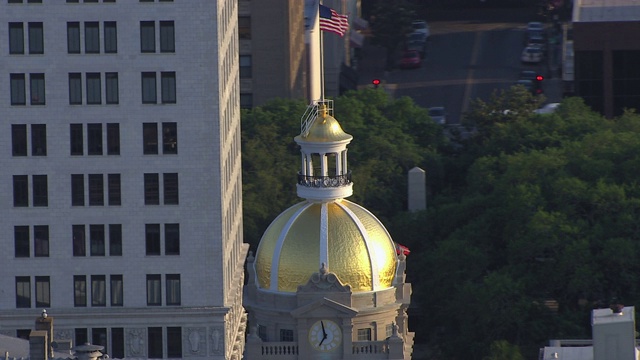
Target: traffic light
375,83
539,78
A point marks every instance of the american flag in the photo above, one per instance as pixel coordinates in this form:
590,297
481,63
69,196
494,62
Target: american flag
333,22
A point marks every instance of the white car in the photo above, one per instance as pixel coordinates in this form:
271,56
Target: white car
547,109
532,55
438,114
421,26
535,26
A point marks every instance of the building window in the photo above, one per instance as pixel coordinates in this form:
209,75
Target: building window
110,37
18,94
94,92
246,101
173,289
113,188
98,290
116,290
21,241
115,240
43,291
16,38
81,336
154,342
151,189
36,38
147,37
79,242
389,330
117,343
150,138
80,290
38,140
75,89
77,190
40,190
149,91
245,66
169,138
92,37
364,334
172,239
262,333
152,239
286,335
154,293
94,139
23,333
174,342
20,190
23,292
96,190
18,140
96,237
111,87
36,82
99,335
113,139
167,37
76,136
41,241
170,181
168,80
244,27
73,37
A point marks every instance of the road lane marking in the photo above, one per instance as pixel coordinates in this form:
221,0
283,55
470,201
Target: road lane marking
474,60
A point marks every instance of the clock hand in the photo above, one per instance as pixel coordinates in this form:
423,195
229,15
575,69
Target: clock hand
323,339
324,333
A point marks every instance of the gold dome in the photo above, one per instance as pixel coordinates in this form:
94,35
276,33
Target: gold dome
350,240
325,129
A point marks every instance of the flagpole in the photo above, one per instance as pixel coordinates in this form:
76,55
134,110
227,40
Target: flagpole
321,58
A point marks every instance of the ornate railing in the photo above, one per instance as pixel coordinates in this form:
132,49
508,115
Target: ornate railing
281,350
370,347
324,181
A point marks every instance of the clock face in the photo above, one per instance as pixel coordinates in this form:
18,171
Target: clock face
325,335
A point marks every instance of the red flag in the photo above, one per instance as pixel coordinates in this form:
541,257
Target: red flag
402,249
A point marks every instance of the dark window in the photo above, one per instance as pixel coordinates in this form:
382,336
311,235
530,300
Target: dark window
16,38
147,37
77,190
38,140
19,140
41,241
110,37
115,239
96,235
152,239
20,190
99,335
75,89
113,188
73,37
111,87
117,343
169,138
173,289
18,96
245,67
364,334
82,336
172,239
246,101
21,239
116,290
154,342
168,87
170,188
94,139
149,92
150,138
98,290
96,190
79,242
174,342
113,139
92,37
94,91
80,290
36,38
286,335
40,190
76,139
43,291
23,333
244,27
23,292
167,37
151,189
37,89
154,293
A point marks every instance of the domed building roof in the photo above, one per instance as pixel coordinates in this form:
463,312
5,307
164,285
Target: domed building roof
325,129
346,237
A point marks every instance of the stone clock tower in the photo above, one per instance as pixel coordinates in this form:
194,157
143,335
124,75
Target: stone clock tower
327,281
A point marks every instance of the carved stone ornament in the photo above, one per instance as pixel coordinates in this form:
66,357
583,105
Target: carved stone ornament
195,342
324,281
216,345
63,334
7,333
136,342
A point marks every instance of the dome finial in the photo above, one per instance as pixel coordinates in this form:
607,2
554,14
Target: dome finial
323,111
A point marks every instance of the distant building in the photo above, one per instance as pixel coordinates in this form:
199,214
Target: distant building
607,54
121,195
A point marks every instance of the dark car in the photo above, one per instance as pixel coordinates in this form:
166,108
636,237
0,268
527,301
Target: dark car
535,78
410,60
417,42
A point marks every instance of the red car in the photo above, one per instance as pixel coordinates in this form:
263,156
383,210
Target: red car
410,60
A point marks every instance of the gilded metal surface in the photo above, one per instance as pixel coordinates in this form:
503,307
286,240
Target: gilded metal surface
326,130
349,255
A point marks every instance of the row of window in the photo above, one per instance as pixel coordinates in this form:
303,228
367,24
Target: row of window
75,2
98,240
95,183
93,87
93,136
98,290
89,31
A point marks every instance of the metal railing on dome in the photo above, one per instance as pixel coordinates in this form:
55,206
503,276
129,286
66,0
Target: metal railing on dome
312,113
324,181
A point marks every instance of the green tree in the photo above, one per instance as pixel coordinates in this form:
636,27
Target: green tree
390,24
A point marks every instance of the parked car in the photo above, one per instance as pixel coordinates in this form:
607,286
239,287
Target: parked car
417,42
421,26
547,109
532,55
535,78
535,26
438,114
527,84
410,60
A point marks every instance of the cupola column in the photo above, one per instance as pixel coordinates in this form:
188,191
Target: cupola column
344,162
323,164
338,164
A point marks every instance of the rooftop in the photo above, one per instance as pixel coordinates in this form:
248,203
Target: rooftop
606,10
